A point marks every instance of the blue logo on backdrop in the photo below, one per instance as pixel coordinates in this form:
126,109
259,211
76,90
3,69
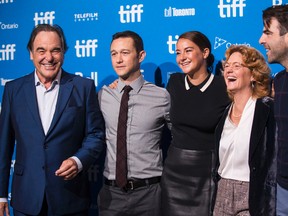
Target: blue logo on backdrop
175,12
7,52
8,26
218,42
86,48
44,17
82,17
234,6
172,43
131,13
278,2
6,1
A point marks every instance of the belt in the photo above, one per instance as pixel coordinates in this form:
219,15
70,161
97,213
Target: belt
133,184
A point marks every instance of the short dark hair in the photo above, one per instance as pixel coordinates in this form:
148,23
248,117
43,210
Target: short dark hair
47,28
202,42
280,13
138,42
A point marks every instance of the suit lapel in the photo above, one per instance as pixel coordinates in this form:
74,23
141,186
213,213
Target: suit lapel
260,118
65,90
31,99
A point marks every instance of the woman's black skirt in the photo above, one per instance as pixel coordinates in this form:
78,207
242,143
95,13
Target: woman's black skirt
187,183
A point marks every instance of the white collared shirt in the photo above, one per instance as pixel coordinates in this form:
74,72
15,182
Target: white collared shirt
47,100
234,145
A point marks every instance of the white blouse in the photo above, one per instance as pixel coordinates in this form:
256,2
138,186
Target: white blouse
234,145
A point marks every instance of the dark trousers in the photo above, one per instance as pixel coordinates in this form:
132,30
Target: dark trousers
282,199
45,211
143,201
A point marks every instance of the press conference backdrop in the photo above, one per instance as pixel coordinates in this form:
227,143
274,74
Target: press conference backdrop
90,24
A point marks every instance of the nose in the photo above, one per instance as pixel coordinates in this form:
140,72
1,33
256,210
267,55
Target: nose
182,56
48,56
261,39
228,68
119,59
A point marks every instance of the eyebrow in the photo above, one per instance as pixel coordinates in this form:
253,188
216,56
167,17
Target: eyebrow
190,47
119,50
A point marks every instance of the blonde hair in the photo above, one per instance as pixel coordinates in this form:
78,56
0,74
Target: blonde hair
259,68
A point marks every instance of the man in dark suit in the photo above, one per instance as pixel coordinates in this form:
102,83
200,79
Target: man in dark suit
54,118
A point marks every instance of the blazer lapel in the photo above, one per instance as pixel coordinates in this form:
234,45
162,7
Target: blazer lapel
65,90
31,98
219,129
260,118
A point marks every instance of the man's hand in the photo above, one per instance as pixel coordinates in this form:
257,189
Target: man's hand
68,169
4,208
114,84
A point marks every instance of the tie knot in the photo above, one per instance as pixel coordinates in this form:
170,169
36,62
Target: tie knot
127,88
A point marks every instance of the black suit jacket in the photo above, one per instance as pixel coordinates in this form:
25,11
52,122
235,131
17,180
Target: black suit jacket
262,158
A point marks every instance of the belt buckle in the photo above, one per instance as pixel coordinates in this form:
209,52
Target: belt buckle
128,186
131,184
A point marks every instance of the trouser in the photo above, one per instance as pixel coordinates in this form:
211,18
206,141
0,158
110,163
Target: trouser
45,211
143,201
282,200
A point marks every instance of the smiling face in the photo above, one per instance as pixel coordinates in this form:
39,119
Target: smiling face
189,56
47,56
237,76
125,59
276,46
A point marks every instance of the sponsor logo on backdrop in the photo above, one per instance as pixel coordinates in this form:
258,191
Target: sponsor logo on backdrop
218,42
6,1
172,40
85,17
86,48
279,2
93,76
175,12
44,17
7,52
234,8
131,13
7,26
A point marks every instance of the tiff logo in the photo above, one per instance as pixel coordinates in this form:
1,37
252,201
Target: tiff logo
7,52
44,18
6,1
172,43
86,48
233,6
131,13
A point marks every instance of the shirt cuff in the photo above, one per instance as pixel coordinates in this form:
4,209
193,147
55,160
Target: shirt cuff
3,200
78,162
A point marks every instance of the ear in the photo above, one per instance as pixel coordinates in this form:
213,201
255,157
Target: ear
31,55
141,56
252,78
206,53
286,37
